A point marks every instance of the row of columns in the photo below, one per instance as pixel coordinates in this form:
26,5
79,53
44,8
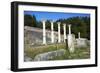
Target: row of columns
52,32
70,38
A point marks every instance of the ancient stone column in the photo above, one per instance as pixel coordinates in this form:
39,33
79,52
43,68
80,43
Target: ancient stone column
44,32
79,35
69,29
64,29
71,40
59,36
52,33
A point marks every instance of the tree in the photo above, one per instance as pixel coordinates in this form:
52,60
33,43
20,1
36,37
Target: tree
30,20
48,24
79,24
39,24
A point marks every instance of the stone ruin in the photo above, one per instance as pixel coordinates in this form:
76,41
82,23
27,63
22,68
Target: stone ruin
49,55
54,37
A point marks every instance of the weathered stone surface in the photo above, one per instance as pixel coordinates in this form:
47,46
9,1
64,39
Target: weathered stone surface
26,59
82,42
71,42
49,55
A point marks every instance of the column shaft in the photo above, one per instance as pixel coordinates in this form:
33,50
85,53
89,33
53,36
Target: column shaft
52,33
64,29
69,29
59,36
79,35
44,33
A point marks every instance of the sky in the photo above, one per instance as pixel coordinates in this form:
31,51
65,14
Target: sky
53,15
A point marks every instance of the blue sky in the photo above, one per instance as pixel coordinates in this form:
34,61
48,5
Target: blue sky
53,15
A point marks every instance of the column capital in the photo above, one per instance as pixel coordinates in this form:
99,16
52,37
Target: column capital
58,22
52,21
64,23
43,20
69,25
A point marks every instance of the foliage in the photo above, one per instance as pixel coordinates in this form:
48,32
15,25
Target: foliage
30,20
78,24
33,51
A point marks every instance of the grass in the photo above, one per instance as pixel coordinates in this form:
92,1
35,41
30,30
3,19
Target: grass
80,53
32,52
